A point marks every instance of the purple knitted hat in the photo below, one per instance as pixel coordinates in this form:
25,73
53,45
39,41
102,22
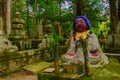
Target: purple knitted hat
83,17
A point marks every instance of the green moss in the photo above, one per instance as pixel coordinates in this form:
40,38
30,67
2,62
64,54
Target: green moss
111,71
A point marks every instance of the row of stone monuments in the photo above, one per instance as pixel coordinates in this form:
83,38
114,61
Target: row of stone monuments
20,39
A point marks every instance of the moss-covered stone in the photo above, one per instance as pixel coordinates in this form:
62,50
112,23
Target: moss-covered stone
15,60
37,67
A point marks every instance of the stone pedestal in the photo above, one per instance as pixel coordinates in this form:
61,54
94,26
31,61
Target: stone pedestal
73,68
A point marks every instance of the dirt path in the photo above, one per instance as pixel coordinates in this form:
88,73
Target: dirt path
20,76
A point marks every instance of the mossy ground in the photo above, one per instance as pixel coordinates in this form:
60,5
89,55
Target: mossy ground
109,72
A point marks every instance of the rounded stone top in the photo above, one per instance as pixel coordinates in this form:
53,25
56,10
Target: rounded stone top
17,13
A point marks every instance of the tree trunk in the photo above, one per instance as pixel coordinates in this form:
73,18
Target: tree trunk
8,19
34,17
119,9
118,25
78,7
27,4
115,23
59,2
0,8
2,12
113,15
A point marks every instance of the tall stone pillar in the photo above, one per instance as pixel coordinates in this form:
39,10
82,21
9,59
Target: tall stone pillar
39,31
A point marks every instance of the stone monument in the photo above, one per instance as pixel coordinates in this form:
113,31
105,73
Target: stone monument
17,25
18,35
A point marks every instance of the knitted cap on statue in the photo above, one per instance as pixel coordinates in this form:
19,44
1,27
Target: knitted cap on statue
83,17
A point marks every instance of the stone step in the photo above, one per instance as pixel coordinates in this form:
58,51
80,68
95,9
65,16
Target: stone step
38,67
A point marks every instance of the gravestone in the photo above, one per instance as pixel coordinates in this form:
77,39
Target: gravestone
17,25
18,36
